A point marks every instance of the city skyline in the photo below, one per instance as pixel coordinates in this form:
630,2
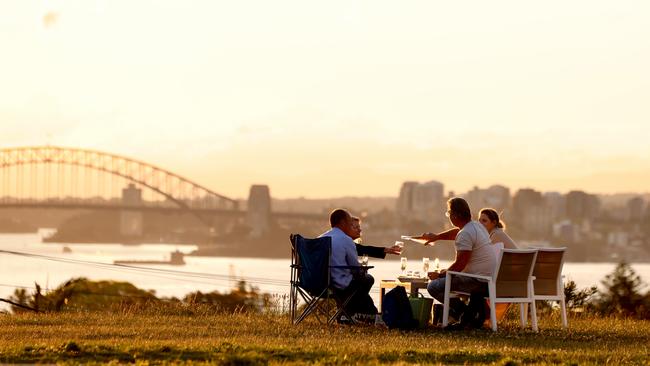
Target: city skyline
339,99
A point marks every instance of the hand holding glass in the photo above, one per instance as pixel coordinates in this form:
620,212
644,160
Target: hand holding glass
400,244
364,260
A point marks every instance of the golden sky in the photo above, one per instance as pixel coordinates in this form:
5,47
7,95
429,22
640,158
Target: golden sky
333,98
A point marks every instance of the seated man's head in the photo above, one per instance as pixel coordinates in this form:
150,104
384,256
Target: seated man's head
458,211
342,219
355,232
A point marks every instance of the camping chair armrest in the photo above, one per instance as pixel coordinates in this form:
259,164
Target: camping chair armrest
478,277
355,269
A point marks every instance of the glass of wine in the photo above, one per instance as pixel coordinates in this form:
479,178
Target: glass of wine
400,244
364,260
425,265
403,265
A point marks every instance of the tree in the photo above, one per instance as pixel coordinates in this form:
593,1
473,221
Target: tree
622,295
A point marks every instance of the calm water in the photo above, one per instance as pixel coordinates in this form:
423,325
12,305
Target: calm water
270,275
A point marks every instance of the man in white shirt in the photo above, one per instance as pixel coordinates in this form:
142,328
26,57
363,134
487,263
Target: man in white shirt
344,253
474,254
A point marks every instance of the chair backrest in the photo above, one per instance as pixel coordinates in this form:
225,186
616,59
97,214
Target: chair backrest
497,247
548,270
312,257
514,268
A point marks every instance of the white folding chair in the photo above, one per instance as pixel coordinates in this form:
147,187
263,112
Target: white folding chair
512,282
548,278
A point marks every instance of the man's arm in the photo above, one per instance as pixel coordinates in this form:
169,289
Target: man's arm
370,251
445,235
462,258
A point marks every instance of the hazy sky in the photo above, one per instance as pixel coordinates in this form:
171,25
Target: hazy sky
335,98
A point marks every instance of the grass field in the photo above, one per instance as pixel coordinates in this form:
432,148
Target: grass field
241,339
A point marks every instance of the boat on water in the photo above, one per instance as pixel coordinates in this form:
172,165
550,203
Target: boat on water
175,259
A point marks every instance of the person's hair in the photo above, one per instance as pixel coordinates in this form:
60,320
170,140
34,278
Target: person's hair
493,216
337,216
460,208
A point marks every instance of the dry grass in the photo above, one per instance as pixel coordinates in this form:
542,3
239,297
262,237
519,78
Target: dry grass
195,335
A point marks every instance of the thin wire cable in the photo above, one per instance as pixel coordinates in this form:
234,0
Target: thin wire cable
155,272
151,271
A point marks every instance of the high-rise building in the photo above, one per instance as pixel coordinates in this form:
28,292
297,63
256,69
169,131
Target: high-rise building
556,202
532,215
635,208
406,198
259,210
582,206
131,222
422,202
496,197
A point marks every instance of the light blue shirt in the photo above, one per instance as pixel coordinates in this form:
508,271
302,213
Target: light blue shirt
344,253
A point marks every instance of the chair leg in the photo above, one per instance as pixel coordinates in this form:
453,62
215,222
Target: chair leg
523,314
493,306
533,315
565,324
293,303
341,308
445,305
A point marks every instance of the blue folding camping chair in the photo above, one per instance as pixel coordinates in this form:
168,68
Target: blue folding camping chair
310,279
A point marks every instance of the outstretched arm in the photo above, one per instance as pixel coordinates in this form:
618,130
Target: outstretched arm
377,252
445,235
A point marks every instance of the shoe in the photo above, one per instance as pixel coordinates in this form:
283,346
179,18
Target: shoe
343,319
457,326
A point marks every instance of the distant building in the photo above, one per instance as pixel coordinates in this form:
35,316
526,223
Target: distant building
406,198
422,202
531,213
131,224
496,197
635,208
259,210
582,206
556,203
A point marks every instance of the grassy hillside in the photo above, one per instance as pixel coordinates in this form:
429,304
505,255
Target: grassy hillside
193,334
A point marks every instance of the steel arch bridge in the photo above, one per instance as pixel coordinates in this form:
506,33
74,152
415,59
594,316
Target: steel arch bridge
59,176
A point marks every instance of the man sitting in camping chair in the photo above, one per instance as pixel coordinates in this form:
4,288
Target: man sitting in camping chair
345,280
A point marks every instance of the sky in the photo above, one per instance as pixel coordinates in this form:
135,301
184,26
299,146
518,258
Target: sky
338,98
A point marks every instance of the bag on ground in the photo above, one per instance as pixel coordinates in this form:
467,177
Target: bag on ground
396,310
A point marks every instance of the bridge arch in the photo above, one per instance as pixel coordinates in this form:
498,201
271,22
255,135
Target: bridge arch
175,188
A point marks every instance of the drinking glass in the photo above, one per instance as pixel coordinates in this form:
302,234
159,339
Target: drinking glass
400,244
364,260
425,265
437,264
403,264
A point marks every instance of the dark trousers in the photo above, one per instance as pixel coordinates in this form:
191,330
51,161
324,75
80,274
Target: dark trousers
436,289
361,302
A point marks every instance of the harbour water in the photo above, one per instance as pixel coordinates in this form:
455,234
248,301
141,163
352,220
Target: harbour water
52,267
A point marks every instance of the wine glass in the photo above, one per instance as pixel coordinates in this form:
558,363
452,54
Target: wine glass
437,264
403,264
400,244
364,260
425,265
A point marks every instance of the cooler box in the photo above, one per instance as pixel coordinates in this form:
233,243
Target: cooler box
421,308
